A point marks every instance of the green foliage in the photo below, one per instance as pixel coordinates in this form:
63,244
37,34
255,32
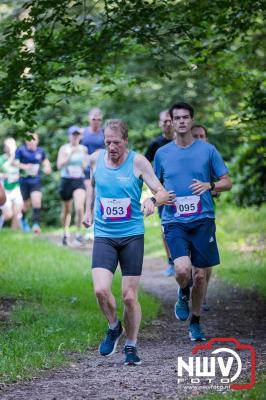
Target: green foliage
54,39
241,239
249,171
133,59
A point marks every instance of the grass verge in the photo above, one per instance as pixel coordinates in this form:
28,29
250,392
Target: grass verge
55,312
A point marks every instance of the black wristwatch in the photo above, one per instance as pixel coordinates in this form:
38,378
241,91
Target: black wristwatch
212,186
153,199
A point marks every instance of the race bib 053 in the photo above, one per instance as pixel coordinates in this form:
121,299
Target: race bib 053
115,209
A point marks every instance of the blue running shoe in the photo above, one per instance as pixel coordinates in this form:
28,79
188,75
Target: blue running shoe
25,225
36,229
195,333
170,270
181,306
205,306
108,345
132,357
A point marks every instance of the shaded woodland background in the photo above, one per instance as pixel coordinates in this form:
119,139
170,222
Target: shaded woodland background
134,59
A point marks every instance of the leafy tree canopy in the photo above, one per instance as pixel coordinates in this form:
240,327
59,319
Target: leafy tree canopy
44,40
134,58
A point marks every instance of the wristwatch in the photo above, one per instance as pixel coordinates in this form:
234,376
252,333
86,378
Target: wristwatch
153,199
212,186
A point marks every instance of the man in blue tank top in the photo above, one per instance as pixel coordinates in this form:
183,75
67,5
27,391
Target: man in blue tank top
117,179
188,167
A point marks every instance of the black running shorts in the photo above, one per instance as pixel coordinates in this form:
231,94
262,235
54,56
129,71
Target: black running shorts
29,185
68,186
128,251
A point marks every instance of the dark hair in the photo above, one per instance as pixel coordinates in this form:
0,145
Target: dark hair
178,106
202,127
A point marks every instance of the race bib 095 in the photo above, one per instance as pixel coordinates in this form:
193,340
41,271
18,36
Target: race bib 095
187,206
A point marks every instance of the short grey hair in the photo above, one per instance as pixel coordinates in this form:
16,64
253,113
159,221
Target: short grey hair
118,125
95,110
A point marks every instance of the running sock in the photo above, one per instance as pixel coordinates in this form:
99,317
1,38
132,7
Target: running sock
114,325
195,319
23,214
130,343
36,213
186,291
170,261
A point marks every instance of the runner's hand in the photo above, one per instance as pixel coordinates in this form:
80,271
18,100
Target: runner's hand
199,187
88,220
147,207
163,197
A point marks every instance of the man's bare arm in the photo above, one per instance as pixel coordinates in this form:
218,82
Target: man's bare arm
90,192
223,184
143,169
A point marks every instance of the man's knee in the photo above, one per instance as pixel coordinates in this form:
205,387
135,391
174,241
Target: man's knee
199,277
130,298
182,267
102,293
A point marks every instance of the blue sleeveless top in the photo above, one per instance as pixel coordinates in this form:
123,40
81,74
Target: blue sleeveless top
117,206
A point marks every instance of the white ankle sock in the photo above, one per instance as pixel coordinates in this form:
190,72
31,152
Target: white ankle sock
114,325
131,343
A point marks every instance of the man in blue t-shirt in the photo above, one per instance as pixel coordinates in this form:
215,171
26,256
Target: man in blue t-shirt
187,167
93,137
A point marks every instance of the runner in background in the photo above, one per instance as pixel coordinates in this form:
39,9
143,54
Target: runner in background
92,135
72,161
9,174
200,132
2,195
31,160
93,139
166,136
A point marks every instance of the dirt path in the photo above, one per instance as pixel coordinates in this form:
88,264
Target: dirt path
234,313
